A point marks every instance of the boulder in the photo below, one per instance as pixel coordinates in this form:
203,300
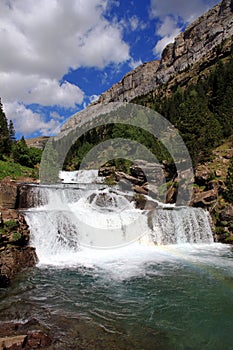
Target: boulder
119,175
13,260
14,342
146,171
204,199
227,214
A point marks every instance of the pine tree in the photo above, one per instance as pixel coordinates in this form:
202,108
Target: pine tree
12,131
4,134
21,153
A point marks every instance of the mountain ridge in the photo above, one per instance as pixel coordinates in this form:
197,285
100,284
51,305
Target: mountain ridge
197,43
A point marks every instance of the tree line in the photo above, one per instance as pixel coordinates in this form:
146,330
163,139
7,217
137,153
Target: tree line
17,150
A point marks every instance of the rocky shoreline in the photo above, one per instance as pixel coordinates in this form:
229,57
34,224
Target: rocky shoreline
15,252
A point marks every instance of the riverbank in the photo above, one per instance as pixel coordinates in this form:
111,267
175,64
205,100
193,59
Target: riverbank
15,253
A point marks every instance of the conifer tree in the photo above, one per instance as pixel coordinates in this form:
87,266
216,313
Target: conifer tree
12,131
4,134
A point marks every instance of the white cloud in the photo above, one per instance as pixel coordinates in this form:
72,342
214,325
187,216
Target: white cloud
171,14
35,89
93,98
133,64
134,22
27,122
56,115
42,40
168,30
187,10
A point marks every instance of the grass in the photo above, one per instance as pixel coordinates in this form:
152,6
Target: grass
14,170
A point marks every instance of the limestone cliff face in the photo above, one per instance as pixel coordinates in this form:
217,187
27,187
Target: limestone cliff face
197,44
134,83
204,41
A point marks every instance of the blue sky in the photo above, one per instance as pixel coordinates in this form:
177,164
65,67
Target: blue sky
59,55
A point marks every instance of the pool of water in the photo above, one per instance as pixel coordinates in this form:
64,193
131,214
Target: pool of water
172,297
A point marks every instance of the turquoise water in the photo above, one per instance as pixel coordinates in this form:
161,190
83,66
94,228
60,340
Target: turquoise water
173,297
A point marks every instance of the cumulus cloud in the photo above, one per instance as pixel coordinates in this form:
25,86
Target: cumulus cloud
42,40
187,10
27,122
172,14
168,30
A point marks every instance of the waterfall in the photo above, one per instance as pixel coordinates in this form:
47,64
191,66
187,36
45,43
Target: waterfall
69,218
180,225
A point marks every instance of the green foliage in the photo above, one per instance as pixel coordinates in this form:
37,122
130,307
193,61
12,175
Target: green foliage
24,155
12,131
113,131
16,237
9,168
11,225
202,112
229,183
5,144
21,153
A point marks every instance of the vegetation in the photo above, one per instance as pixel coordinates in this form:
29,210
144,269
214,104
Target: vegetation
202,112
8,167
16,158
229,183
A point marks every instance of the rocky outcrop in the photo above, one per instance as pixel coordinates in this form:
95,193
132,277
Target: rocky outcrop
8,194
37,142
15,254
200,43
135,83
204,41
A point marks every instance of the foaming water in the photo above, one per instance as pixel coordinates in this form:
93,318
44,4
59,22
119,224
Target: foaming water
140,279
137,297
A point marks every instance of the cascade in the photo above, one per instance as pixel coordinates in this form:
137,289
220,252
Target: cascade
68,218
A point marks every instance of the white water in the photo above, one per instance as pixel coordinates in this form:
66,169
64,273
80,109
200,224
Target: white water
81,176
70,225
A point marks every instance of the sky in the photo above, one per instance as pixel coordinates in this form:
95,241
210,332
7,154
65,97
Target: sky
57,56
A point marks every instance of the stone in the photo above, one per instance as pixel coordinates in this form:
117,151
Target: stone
192,51
8,194
204,199
119,175
227,214
107,171
13,260
140,189
13,343
202,175
38,339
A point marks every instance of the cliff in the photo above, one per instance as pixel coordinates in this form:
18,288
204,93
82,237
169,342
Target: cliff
209,37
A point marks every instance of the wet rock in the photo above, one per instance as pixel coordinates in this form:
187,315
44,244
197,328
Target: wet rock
119,175
140,189
37,339
15,254
13,343
13,260
107,171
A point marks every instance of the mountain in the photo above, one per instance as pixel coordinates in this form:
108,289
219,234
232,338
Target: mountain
198,48
204,41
